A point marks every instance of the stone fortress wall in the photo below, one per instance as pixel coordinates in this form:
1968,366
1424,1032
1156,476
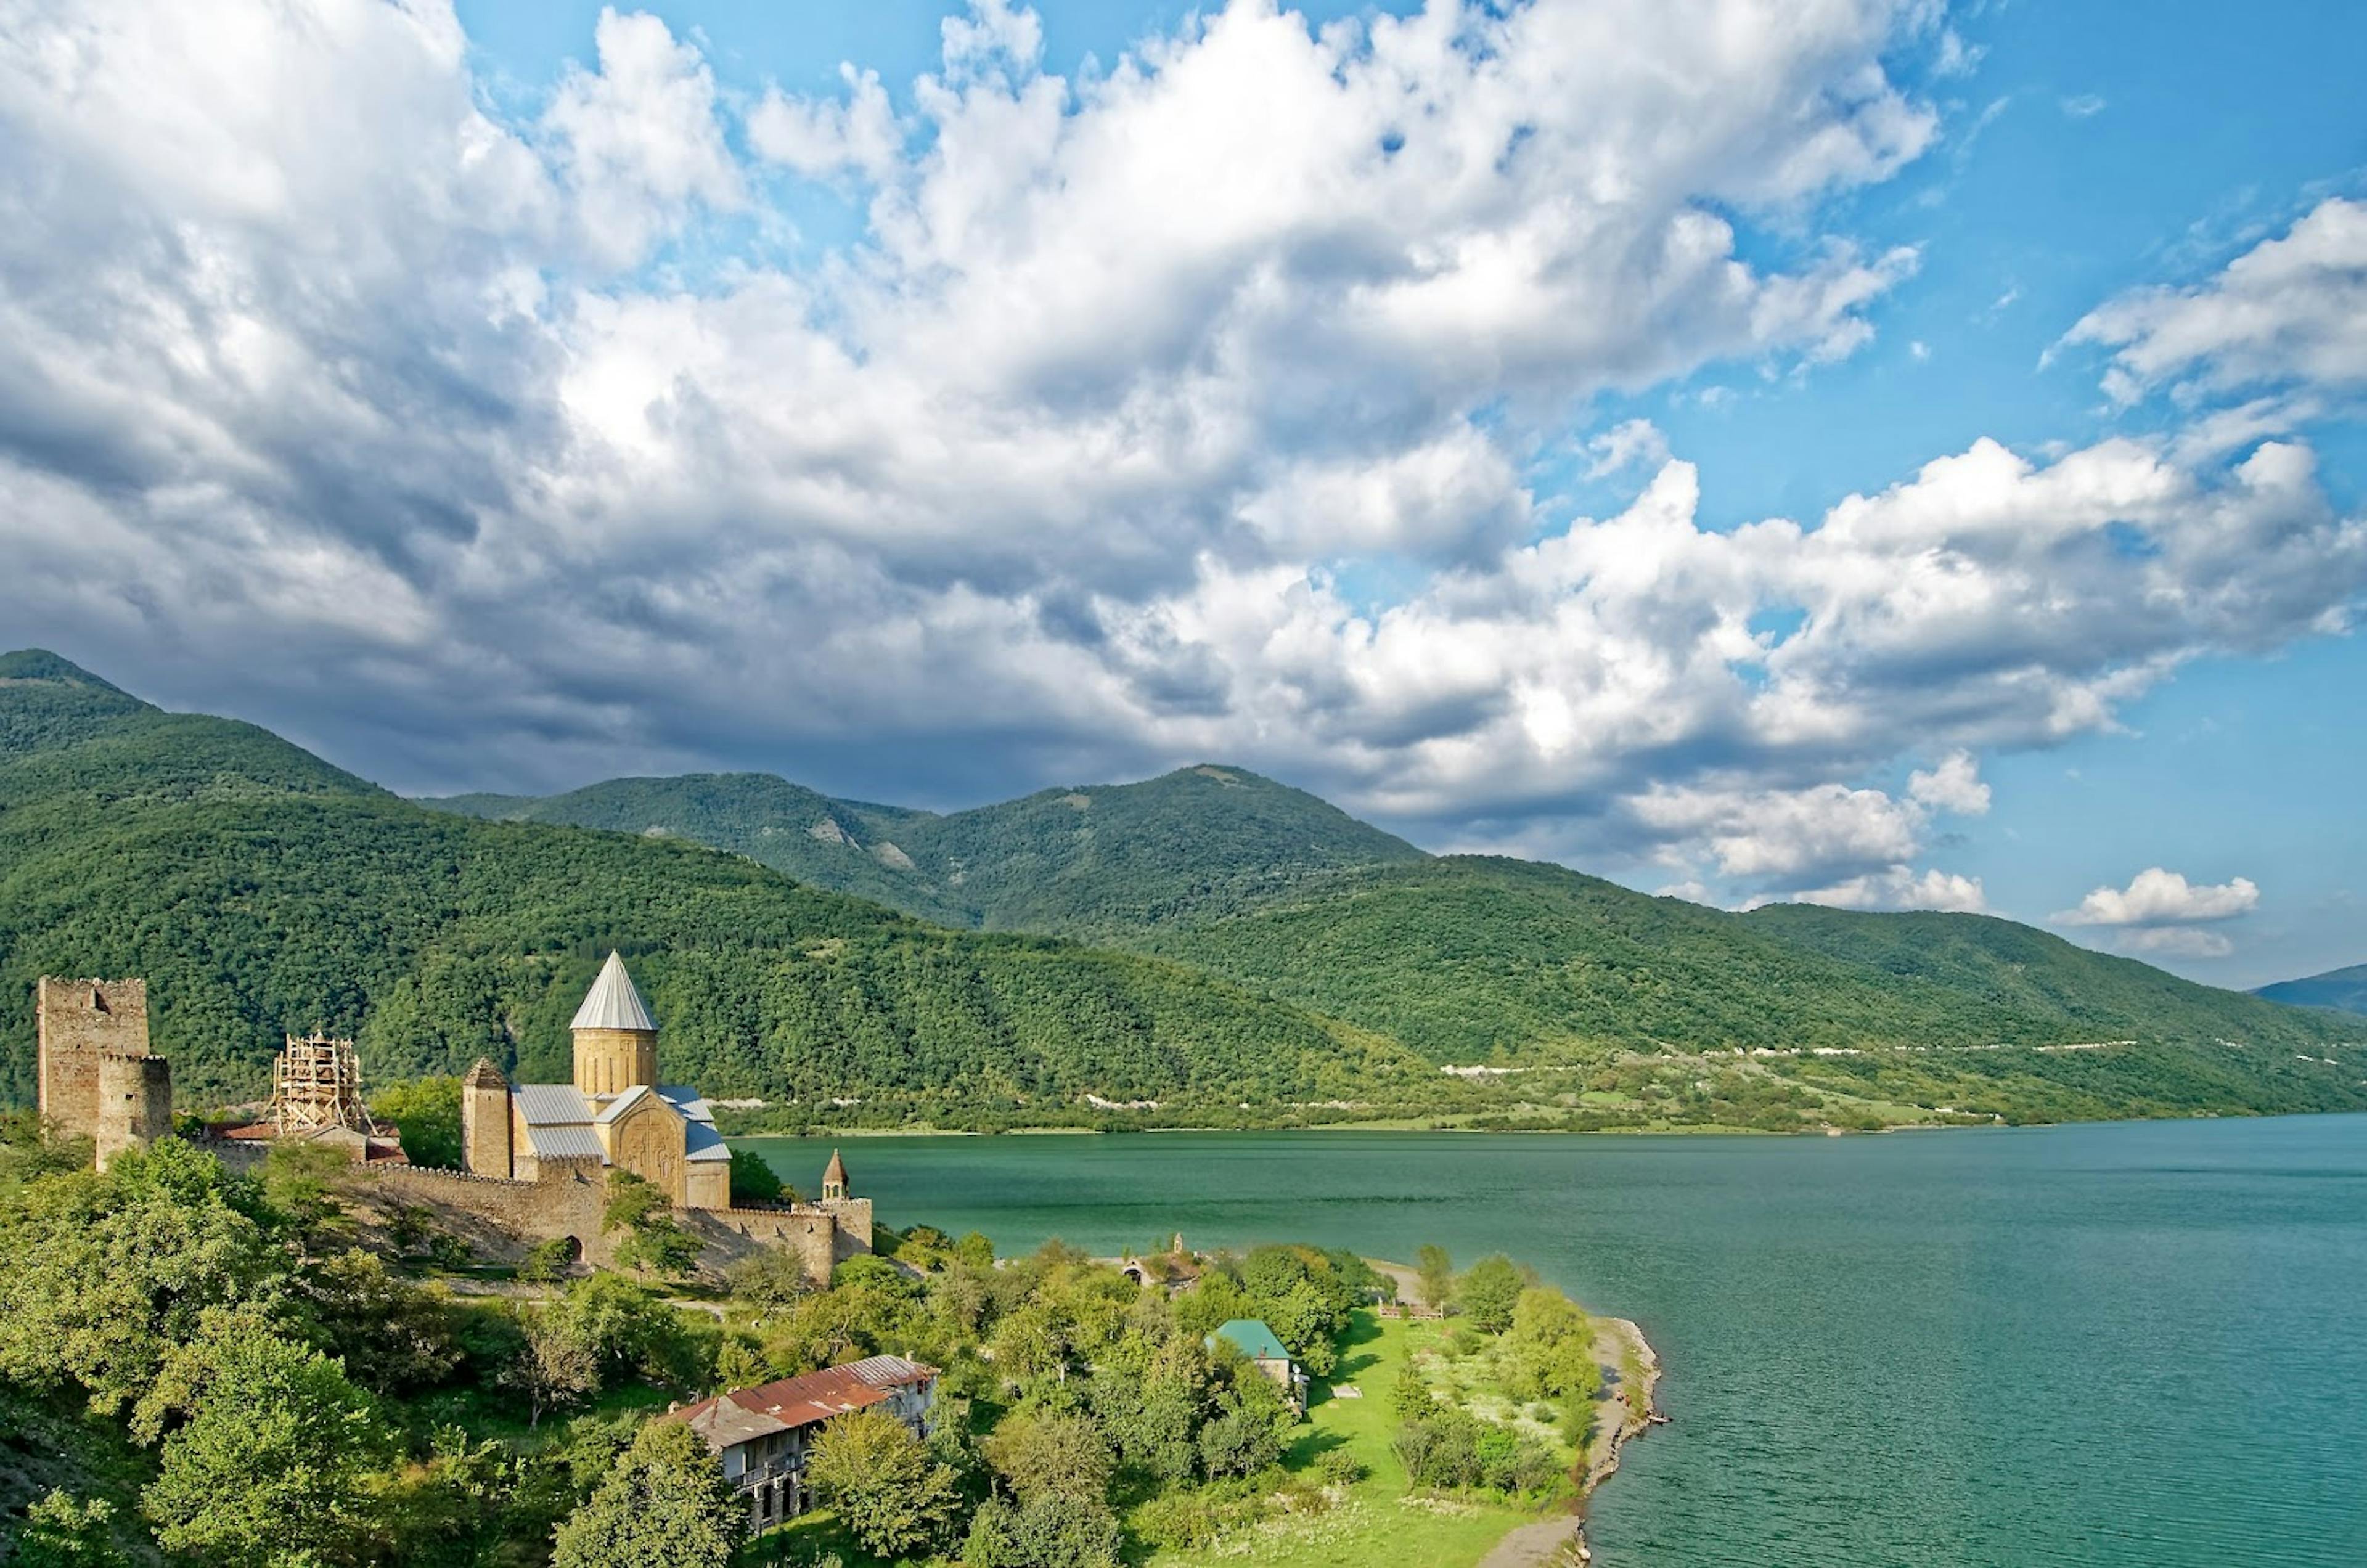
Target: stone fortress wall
502,1219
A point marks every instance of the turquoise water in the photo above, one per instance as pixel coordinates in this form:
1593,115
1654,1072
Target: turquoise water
2134,1344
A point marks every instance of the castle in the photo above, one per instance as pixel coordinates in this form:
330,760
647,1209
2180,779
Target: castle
96,1078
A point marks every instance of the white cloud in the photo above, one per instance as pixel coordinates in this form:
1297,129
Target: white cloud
639,140
2158,898
2083,106
2291,312
1902,887
1186,410
860,132
2174,941
1955,786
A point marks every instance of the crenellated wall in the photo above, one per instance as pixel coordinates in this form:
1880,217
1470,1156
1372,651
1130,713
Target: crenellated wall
504,1218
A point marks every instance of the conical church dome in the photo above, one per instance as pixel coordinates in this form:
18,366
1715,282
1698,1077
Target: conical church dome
612,1002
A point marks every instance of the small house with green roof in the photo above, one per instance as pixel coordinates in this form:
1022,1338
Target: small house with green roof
1253,1338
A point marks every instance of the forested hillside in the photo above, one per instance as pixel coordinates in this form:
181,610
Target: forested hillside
1266,956
1466,956
260,890
2343,991
1193,844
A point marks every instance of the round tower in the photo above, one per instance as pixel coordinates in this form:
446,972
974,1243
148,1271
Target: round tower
615,1038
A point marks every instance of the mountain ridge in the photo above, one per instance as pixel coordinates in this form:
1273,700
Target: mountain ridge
2338,991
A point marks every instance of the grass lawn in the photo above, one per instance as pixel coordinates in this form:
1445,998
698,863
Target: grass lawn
1378,1522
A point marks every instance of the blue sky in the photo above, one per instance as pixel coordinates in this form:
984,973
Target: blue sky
578,393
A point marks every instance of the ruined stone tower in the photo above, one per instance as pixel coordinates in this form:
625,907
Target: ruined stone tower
96,1078
485,1120
615,1038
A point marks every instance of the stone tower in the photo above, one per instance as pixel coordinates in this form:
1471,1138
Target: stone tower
135,1103
833,1179
82,1021
485,1120
96,1078
615,1038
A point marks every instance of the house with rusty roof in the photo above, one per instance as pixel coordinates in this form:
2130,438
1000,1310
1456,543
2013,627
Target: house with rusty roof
761,1435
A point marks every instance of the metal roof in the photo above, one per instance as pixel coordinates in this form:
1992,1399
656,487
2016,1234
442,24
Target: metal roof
688,1101
577,1142
889,1372
612,1003
700,1141
623,1102
545,1103
1253,1338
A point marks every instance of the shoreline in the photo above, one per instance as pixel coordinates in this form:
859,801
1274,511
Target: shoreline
1620,1348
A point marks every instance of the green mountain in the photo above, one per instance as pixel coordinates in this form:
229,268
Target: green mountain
1475,960
1093,860
260,890
842,844
2343,991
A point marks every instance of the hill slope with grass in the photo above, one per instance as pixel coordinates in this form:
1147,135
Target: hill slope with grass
260,890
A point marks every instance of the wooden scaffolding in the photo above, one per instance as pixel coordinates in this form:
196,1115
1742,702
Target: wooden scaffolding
317,1084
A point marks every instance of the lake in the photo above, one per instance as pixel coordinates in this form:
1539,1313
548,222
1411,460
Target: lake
2141,1343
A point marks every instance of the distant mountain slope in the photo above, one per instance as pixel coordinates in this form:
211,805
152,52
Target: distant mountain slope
1094,861
1464,956
842,844
1195,843
2344,990
259,889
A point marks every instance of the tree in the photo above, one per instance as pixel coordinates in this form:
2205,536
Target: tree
103,1273
1489,1292
1052,1531
1552,1345
1050,1454
753,1179
274,1453
426,1115
64,1532
1027,1344
1435,1276
666,1505
768,1277
392,1335
561,1365
895,1499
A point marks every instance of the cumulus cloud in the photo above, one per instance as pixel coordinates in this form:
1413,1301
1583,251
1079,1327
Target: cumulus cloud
637,140
2158,898
1187,409
1901,887
2290,312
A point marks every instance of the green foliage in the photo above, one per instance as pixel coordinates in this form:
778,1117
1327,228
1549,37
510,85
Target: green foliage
666,1506
1049,1453
2342,990
1551,1347
392,1335
896,1498
426,1114
1053,1529
64,1532
274,1452
1434,1270
546,1262
1489,1292
753,1179
105,1272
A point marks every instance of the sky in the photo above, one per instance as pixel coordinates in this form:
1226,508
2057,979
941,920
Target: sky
1879,452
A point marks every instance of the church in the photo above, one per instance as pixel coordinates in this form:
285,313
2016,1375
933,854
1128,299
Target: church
615,1116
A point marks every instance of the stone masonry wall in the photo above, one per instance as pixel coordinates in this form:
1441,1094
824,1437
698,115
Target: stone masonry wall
135,1103
503,1219
81,1022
